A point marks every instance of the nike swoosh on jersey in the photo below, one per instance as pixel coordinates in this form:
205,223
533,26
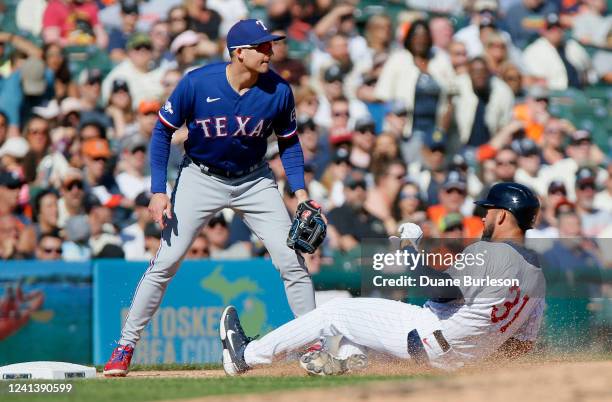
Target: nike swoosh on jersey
209,99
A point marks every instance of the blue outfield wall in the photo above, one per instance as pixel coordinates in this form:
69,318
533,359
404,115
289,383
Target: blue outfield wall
84,305
74,312
185,329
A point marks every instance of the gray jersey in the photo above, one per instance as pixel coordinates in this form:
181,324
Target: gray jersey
502,291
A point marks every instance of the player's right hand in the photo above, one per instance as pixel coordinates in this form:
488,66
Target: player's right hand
160,208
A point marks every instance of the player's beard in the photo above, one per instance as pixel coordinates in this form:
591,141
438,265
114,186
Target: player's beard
487,233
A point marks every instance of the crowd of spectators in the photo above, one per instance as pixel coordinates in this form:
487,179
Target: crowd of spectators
407,111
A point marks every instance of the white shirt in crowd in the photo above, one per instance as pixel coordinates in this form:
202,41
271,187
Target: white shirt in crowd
603,201
231,11
142,85
130,185
133,240
470,37
542,60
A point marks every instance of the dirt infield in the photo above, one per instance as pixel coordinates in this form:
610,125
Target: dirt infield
558,381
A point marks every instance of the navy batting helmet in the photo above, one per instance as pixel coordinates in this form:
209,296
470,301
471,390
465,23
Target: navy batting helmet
516,198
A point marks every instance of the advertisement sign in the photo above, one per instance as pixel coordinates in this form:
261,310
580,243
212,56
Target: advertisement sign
185,329
45,312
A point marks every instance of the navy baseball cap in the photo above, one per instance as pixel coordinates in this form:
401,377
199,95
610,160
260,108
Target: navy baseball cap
585,175
454,179
435,140
552,20
249,32
10,180
525,147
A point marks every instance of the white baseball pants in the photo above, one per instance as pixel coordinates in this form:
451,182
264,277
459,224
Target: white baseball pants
378,324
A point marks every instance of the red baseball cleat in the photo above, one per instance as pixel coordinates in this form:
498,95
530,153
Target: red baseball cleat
119,363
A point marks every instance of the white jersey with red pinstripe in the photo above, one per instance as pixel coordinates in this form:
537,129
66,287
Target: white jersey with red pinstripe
474,326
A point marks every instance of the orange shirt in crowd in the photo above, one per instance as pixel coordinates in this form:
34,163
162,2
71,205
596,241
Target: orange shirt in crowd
472,225
533,129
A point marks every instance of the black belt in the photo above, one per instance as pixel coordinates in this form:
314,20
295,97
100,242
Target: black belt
210,170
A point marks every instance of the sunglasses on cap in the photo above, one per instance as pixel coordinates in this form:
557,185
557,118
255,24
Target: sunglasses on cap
586,186
357,184
93,80
75,183
341,114
582,142
143,47
264,47
140,148
408,196
557,191
455,190
14,185
366,129
452,228
217,220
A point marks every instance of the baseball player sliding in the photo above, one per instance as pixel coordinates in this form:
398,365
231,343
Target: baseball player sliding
444,333
230,109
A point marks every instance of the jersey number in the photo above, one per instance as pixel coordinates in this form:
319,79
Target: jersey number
501,311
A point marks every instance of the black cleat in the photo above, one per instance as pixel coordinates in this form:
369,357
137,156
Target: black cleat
234,342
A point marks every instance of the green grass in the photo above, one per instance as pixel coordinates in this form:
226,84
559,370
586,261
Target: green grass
137,389
170,366
152,389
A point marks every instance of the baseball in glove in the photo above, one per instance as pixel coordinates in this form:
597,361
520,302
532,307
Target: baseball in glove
308,229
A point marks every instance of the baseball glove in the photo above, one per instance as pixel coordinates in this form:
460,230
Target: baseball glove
308,229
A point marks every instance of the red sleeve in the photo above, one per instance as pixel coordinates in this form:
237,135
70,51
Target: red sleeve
92,10
51,16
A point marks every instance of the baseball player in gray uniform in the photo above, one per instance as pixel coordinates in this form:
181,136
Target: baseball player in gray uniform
230,110
446,332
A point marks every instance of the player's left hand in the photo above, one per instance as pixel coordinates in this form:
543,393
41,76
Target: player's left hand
302,196
308,229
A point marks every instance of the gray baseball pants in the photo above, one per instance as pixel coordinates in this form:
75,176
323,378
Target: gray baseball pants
196,198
